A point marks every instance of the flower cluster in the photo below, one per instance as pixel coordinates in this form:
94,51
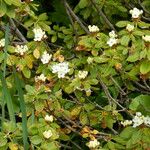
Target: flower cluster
113,38
39,34
136,13
126,122
138,120
93,143
2,42
46,57
61,69
130,27
21,49
82,74
40,78
93,28
47,134
146,38
49,118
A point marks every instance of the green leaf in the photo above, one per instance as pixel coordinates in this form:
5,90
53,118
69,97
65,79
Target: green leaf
122,23
145,67
133,57
141,100
10,12
137,32
36,140
143,24
3,8
143,54
83,3
83,118
54,39
43,17
26,72
75,111
128,132
3,140
49,146
125,40
30,89
39,105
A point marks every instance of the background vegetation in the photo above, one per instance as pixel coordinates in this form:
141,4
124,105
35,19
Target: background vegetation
74,88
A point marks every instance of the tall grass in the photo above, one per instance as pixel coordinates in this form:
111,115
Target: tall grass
23,110
6,97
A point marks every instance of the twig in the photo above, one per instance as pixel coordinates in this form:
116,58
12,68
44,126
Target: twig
142,86
65,146
72,23
76,17
122,92
17,32
139,2
103,16
76,145
110,98
145,83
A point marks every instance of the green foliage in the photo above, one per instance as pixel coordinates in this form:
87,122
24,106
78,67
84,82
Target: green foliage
65,86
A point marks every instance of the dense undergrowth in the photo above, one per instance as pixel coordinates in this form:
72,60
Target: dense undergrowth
75,74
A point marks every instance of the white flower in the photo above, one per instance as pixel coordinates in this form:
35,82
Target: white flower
137,121
93,28
126,122
82,74
130,27
49,118
40,78
2,42
90,60
21,49
112,34
139,114
146,38
136,13
112,41
46,58
61,69
47,134
39,34
147,120
93,144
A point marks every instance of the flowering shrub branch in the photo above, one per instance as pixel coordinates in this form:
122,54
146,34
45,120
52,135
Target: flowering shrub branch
75,83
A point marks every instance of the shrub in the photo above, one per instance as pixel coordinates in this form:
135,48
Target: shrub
74,86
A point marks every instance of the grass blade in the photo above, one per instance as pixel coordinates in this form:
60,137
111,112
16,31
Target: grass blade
6,97
23,110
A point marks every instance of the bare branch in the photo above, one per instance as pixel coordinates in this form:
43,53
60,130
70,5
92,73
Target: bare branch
122,92
76,17
17,32
146,11
103,16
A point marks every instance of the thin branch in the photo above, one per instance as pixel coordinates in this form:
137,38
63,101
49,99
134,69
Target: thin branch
103,16
145,83
79,148
122,92
139,2
110,98
76,17
72,23
142,86
17,32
